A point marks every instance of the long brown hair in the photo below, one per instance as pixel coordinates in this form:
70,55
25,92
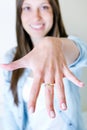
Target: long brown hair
24,42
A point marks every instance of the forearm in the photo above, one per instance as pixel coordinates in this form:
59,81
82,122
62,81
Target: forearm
70,50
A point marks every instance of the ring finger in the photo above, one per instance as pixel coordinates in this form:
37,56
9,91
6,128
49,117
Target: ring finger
49,95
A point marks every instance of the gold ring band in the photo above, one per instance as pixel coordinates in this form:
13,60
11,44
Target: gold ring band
49,85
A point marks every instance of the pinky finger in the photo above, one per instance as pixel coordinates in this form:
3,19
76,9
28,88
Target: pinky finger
68,74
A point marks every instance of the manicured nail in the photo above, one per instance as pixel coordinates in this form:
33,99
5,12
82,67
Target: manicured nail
63,106
31,109
52,114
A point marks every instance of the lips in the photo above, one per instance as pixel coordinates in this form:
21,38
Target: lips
37,26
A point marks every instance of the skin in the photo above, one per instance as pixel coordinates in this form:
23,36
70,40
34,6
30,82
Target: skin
37,20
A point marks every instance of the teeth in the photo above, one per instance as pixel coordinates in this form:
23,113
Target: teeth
36,26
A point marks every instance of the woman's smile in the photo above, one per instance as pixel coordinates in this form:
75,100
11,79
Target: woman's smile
38,26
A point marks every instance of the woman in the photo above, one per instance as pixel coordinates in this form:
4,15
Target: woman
52,55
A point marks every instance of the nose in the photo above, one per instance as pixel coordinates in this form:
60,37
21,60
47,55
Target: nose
37,14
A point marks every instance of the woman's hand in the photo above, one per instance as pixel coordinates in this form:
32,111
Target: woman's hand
49,66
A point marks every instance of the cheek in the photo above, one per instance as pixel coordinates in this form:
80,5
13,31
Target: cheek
24,18
50,20
24,23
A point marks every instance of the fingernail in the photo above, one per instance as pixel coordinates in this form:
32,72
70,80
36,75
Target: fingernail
82,84
63,106
52,114
31,109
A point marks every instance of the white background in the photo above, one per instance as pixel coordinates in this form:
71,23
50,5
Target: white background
75,19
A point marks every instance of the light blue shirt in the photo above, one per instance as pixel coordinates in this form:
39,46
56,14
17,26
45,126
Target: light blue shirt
14,117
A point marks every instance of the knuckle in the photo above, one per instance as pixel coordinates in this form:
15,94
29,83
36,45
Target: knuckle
39,74
50,106
61,97
60,86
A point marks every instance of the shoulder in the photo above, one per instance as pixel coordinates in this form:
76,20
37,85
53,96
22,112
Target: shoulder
82,46
78,41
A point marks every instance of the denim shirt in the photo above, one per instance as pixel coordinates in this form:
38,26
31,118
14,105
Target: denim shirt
14,117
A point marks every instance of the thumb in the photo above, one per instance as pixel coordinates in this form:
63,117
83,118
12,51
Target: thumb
20,63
